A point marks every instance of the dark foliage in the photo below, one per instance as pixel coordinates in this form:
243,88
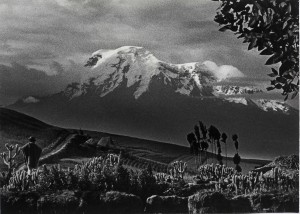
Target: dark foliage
214,133
236,159
238,168
197,132
271,26
204,145
223,137
194,146
203,129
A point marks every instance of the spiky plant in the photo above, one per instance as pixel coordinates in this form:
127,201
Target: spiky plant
10,158
178,169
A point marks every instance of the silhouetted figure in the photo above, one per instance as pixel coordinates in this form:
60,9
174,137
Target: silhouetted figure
32,154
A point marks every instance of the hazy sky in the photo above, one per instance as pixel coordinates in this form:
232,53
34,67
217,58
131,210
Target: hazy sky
39,38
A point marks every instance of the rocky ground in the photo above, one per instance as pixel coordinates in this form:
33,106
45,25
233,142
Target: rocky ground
118,202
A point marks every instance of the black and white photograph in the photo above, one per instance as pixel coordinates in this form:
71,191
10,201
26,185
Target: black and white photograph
149,106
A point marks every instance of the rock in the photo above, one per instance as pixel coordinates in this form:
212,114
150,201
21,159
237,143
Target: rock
166,204
89,201
65,202
208,202
119,202
241,204
18,202
262,201
288,203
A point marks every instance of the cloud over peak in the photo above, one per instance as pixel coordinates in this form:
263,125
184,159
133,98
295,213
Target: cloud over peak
224,71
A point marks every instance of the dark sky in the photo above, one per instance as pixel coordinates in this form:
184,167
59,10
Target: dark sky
56,37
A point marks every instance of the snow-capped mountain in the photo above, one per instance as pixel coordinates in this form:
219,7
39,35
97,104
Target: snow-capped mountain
235,90
272,105
139,68
129,91
263,104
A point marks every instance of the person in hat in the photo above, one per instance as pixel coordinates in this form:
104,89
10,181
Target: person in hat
32,154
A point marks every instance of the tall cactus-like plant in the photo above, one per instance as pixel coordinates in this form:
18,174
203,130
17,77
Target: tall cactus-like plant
113,159
9,159
179,169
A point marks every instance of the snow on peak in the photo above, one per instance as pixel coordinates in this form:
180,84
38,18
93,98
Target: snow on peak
240,100
135,66
235,90
272,105
31,99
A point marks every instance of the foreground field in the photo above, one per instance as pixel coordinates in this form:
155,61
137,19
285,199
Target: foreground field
105,183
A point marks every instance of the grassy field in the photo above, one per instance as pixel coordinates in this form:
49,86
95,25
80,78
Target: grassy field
17,127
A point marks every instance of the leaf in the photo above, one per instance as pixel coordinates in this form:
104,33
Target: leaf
285,23
240,36
252,22
278,86
281,79
274,59
288,76
227,27
285,66
272,75
274,71
286,97
288,8
266,51
270,88
252,43
294,94
273,82
258,6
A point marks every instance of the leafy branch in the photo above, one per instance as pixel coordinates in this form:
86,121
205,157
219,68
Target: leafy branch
271,26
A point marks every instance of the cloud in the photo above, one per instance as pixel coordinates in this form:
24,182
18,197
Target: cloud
47,35
224,71
18,81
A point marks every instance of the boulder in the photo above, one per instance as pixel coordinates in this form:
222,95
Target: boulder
288,203
208,202
280,202
166,204
262,202
65,202
119,202
18,202
241,204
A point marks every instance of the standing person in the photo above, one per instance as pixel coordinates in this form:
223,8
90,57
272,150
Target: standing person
32,153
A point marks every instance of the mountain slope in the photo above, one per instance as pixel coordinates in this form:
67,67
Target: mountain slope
138,68
69,146
130,92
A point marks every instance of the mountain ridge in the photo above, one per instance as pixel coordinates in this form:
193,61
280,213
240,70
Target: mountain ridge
158,112
139,66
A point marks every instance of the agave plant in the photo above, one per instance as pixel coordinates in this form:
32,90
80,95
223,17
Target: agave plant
9,159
